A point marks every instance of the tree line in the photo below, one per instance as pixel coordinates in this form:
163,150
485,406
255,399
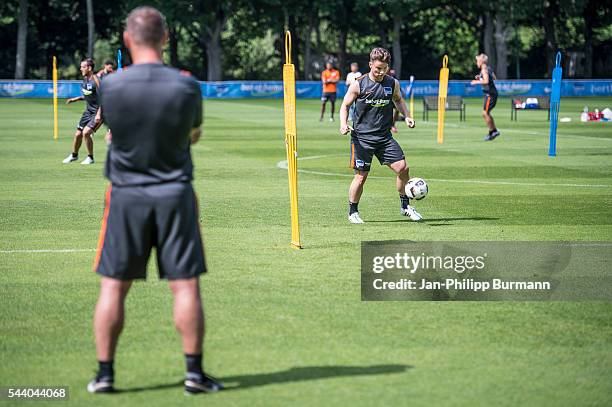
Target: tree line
240,39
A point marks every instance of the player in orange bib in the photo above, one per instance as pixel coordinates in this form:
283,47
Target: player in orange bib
330,78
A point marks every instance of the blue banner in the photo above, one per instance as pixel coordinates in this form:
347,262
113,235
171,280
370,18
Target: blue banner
312,89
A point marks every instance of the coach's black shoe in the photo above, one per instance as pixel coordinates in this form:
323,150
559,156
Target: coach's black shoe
492,136
102,384
197,383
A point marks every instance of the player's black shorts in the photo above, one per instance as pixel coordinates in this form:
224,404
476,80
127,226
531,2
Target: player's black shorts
489,102
331,96
386,150
88,119
137,218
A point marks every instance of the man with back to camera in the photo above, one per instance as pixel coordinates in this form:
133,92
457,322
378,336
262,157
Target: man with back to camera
155,113
486,79
330,78
91,118
374,96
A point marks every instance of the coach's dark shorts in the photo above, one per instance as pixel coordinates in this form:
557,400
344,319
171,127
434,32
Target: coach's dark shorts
137,218
88,119
331,96
489,102
387,151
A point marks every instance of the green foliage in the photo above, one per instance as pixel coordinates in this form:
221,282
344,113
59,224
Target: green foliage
252,44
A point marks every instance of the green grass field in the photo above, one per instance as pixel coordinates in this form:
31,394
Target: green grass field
287,327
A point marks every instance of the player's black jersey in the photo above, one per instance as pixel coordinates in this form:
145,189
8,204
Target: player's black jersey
489,88
89,90
150,110
374,108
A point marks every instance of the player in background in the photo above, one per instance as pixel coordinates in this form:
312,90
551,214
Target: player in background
486,79
330,78
155,114
375,95
108,69
350,78
91,118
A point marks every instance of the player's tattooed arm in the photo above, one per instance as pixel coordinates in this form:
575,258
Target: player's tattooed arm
351,95
400,104
76,99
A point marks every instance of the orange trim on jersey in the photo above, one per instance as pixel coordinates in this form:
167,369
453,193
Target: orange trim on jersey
352,164
103,227
488,102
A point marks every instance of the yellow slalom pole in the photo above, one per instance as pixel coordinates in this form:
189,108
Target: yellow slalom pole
55,131
291,140
443,90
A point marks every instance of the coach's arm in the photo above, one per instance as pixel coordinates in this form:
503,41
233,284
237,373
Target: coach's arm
195,135
351,95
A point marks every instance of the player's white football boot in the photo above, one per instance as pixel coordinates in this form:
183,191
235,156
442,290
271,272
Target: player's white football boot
355,218
411,213
70,159
88,161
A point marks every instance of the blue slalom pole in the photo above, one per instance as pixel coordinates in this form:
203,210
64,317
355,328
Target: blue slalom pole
119,66
555,102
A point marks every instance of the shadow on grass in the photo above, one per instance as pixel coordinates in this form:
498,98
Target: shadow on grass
149,388
300,374
295,374
427,221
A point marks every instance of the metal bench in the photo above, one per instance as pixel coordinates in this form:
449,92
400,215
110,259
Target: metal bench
452,103
543,104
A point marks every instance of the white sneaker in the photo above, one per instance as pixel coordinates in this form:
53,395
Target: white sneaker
411,213
70,159
331,119
355,218
87,161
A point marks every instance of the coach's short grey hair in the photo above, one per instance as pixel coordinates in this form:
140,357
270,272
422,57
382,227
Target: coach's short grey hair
146,26
484,57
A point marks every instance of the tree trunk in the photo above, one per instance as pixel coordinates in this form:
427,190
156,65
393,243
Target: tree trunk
214,52
589,14
501,47
488,38
295,43
173,33
342,50
308,47
91,29
550,39
397,45
22,36
213,59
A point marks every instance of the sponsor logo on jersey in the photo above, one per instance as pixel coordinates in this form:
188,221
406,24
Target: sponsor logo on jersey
377,102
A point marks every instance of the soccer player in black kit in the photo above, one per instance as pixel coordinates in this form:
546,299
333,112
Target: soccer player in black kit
91,118
154,114
486,79
375,95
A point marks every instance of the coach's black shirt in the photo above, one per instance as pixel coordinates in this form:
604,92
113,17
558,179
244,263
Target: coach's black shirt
150,110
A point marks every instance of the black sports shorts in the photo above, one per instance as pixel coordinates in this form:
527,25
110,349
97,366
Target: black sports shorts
138,218
387,151
489,102
88,119
331,96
